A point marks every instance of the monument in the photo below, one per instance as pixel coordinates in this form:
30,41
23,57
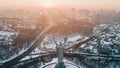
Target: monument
60,53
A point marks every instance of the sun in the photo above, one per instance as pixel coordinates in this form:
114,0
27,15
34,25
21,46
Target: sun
48,3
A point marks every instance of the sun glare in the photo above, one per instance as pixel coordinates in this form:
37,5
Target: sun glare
48,3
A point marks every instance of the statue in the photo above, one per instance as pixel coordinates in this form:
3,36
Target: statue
59,49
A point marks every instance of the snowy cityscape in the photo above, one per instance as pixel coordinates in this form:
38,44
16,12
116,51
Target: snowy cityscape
53,37
29,38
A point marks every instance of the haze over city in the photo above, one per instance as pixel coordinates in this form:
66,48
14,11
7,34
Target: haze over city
83,4
59,33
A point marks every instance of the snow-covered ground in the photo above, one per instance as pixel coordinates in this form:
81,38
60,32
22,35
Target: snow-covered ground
48,42
6,38
67,63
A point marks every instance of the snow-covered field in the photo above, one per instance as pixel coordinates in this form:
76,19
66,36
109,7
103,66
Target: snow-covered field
67,63
49,44
6,38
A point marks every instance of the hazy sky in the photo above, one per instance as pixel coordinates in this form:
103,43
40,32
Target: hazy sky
63,3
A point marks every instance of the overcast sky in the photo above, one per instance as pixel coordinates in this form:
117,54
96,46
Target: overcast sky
63,3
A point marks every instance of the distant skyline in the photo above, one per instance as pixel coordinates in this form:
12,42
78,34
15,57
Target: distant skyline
83,4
